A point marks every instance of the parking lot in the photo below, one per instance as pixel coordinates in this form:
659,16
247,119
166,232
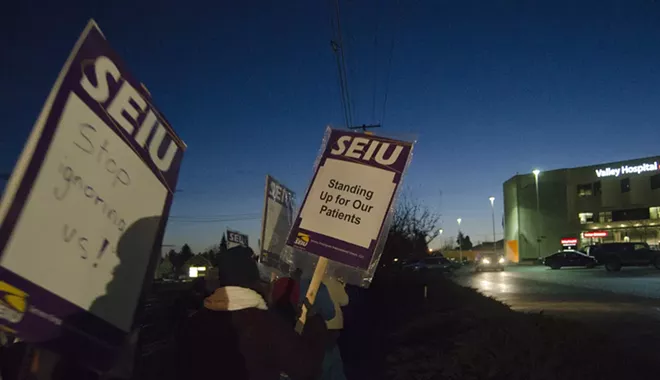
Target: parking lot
625,304
636,281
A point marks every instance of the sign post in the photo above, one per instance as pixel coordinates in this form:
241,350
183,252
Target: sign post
84,212
344,213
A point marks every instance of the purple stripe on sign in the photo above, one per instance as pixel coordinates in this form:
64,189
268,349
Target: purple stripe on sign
57,324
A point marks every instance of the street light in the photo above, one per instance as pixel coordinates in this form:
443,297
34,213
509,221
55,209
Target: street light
492,206
538,212
460,240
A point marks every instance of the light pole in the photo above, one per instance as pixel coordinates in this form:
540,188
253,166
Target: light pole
460,240
538,212
492,206
440,231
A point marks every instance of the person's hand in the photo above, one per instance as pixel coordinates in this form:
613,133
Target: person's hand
311,310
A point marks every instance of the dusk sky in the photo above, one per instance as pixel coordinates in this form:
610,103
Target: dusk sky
488,89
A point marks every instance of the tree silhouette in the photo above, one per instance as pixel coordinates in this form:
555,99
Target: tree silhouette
178,259
223,245
209,254
464,242
412,223
186,253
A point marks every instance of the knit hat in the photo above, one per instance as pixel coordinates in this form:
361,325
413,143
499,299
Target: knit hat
237,268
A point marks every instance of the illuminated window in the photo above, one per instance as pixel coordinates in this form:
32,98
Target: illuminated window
605,216
654,212
586,217
585,190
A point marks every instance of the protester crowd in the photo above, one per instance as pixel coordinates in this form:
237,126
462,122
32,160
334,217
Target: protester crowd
245,329
233,325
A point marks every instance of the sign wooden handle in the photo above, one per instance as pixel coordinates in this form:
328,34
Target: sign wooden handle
314,284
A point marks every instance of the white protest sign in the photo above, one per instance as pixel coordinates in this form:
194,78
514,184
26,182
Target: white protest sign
83,213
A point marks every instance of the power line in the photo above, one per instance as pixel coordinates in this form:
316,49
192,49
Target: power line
221,218
389,66
224,220
338,47
216,215
375,77
343,62
344,108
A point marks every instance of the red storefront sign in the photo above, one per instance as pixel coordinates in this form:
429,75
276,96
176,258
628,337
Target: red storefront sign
595,234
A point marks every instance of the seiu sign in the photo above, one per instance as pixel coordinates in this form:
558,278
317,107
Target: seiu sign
126,106
367,149
280,194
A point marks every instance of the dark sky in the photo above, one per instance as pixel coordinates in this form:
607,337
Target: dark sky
489,88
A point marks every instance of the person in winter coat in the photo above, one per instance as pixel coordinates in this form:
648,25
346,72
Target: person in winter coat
333,366
234,336
285,298
323,303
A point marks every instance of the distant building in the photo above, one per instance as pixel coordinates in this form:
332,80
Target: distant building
610,202
487,246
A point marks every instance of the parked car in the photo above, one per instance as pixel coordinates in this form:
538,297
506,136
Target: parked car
456,263
429,263
569,258
489,261
617,255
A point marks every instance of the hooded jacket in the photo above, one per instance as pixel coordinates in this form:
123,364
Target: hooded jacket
339,298
235,337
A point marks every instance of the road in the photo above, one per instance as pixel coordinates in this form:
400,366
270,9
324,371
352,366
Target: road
624,304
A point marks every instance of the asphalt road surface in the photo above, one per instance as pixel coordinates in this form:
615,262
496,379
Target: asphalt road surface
625,304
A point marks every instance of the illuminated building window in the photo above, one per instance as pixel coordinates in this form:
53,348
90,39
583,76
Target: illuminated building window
585,190
586,217
605,216
654,212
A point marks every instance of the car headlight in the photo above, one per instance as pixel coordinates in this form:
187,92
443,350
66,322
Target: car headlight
485,261
501,260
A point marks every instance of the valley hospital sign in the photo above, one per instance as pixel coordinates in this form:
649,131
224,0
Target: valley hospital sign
626,169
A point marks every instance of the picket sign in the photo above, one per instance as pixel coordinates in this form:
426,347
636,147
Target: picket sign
314,285
313,289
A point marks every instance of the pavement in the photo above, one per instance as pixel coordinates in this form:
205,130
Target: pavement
625,304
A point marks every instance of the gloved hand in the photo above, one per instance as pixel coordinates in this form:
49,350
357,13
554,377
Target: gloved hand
311,309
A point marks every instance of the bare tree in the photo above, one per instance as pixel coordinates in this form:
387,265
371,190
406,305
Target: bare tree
412,225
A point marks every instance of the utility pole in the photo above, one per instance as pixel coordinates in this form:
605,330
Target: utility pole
492,206
364,127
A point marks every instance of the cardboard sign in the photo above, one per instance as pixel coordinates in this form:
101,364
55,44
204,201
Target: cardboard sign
84,213
235,239
344,210
276,222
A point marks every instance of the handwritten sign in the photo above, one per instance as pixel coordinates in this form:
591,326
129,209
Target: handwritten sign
343,214
83,212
